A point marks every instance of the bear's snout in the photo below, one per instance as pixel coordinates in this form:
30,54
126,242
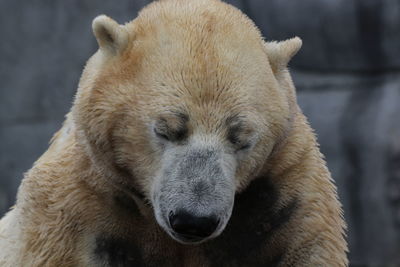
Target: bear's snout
192,228
194,192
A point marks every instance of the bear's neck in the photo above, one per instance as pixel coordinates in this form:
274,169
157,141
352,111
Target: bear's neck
297,154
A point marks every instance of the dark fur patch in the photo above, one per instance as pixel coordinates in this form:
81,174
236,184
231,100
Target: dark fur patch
127,204
126,173
254,220
117,252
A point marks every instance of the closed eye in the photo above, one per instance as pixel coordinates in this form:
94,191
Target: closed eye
161,135
240,145
244,147
172,127
239,133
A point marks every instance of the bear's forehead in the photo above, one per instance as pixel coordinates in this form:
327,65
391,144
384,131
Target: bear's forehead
200,40
206,61
199,71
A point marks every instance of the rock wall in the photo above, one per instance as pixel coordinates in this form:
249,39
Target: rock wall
347,76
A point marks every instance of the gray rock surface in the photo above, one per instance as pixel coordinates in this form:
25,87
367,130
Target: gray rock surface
356,120
347,75
339,35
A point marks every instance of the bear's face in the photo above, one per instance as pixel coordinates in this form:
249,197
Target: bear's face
185,118
201,168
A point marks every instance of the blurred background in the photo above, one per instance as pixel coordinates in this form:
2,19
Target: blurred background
347,76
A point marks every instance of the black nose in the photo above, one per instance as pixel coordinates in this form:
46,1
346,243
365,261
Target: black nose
191,226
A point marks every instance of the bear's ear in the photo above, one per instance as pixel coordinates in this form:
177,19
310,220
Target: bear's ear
280,53
110,36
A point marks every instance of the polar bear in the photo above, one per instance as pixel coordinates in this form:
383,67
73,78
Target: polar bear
184,147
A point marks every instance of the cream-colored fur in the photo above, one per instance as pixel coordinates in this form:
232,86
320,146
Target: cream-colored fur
201,55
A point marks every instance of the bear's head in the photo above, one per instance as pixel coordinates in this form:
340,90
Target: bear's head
182,108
